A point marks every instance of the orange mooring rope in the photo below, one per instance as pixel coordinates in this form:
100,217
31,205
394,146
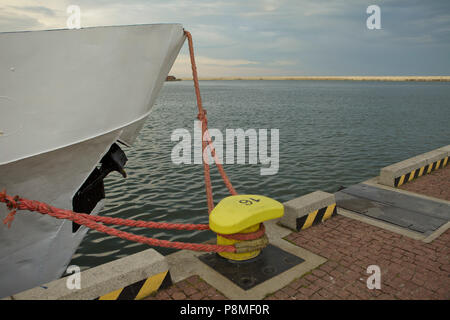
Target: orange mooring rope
16,203
206,139
92,222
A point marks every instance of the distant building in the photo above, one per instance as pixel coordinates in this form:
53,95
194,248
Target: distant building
172,78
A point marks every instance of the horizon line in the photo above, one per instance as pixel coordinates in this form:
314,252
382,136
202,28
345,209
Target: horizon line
353,78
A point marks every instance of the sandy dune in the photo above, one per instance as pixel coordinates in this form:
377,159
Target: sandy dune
352,78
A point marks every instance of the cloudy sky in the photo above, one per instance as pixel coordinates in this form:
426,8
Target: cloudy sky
273,37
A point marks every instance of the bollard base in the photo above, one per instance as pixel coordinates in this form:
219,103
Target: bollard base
271,262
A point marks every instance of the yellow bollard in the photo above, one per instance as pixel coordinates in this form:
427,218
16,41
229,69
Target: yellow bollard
242,214
238,256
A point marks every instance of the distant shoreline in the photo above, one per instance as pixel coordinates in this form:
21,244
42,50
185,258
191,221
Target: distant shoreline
346,78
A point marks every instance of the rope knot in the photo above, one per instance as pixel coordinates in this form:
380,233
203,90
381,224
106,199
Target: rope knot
12,203
202,115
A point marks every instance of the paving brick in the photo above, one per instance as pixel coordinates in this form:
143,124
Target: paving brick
319,273
189,291
196,296
299,283
289,291
300,296
179,296
162,295
310,277
190,288
281,295
325,293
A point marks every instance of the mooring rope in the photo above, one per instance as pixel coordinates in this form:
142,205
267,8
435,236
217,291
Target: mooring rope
251,240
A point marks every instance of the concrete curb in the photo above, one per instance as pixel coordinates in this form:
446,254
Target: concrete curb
313,208
402,172
132,277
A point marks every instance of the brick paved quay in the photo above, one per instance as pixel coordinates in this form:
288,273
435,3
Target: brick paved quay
435,184
192,288
410,269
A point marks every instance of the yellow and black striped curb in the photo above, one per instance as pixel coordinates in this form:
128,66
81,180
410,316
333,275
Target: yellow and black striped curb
141,289
420,172
316,217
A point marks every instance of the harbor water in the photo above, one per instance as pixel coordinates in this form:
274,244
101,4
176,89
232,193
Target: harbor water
331,134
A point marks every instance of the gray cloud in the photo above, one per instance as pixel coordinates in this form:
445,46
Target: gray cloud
290,37
35,9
